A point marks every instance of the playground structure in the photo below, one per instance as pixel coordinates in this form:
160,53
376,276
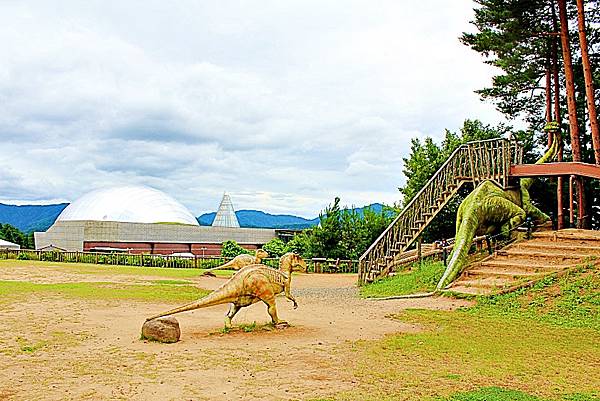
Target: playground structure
498,161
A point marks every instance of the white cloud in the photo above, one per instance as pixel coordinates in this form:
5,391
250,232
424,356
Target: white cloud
283,104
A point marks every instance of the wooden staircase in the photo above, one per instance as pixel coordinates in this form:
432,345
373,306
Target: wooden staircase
525,262
472,162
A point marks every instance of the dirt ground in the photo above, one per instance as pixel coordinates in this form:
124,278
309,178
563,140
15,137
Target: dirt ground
82,349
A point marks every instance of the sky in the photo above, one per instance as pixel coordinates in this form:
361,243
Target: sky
282,104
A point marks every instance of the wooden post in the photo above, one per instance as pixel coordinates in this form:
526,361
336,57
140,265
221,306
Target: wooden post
419,250
571,201
557,117
589,81
571,104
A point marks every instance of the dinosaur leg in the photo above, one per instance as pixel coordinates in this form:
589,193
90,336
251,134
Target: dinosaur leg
272,309
516,215
233,309
289,296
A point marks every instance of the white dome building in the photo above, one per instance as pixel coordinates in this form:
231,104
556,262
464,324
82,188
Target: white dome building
138,219
128,204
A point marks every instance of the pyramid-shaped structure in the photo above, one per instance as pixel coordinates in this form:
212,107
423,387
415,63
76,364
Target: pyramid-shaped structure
226,214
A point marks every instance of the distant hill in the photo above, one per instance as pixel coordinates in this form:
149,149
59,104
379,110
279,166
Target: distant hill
28,218
259,219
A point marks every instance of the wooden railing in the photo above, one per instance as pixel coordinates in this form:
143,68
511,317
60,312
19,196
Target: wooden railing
472,162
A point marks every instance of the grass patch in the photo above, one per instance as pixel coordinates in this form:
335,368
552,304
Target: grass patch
28,347
536,344
459,350
421,277
247,328
170,282
87,268
104,291
501,394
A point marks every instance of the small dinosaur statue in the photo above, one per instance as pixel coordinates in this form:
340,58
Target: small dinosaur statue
251,284
488,209
240,261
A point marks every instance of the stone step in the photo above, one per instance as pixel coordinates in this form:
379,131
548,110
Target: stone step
463,289
515,264
502,273
558,248
485,282
527,254
569,234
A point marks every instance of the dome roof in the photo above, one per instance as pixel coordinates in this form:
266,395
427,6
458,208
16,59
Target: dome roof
133,204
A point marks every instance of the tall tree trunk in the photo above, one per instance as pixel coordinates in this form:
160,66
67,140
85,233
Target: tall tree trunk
558,118
548,95
571,106
589,82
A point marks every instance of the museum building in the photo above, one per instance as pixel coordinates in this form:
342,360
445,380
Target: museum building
139,219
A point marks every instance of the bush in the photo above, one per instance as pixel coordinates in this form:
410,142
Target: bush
276,248
231,249
24,256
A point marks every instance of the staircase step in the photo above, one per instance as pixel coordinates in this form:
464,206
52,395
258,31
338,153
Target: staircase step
463,289
486,282
511,265
501,273
553,247
569,234
529,254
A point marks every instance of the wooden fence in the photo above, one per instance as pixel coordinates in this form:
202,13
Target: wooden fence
318,265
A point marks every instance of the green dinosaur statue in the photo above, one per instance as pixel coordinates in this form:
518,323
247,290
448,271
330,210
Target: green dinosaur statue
240,261
251,284
489,209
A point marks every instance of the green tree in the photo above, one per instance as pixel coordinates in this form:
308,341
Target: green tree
231,249
520,38
16,236
342,233
275,248
300,244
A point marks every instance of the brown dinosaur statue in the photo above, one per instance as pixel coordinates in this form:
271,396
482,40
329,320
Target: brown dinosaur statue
251,284
240,261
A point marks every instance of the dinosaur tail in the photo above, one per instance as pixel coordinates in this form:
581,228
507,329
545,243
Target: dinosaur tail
216,297
460,252
407,296
223,266
548,156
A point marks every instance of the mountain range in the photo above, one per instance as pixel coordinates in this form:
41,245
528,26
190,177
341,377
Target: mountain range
28,218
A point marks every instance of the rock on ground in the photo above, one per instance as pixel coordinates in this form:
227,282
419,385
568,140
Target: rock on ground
163,329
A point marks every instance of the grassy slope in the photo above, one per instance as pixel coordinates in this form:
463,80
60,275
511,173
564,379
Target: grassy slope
537,344
419,278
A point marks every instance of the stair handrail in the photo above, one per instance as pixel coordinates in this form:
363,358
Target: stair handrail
425,187
510,154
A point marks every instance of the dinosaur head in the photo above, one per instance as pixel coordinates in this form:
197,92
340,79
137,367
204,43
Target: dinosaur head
292,262
261,253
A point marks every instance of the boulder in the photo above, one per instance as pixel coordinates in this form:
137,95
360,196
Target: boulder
163,329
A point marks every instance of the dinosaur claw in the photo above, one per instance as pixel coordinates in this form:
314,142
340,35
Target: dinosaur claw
295,305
